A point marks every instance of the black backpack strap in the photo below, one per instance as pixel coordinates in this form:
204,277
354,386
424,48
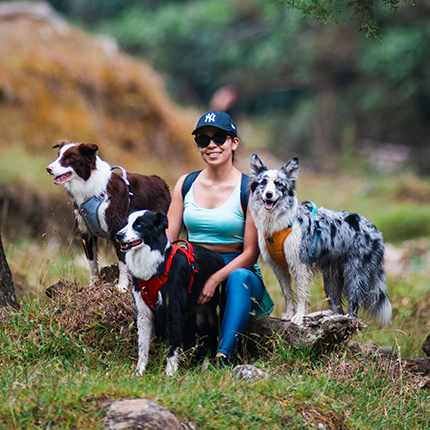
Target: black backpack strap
244,193
188,181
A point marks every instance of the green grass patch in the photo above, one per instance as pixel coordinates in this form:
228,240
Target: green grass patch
62,359
51,378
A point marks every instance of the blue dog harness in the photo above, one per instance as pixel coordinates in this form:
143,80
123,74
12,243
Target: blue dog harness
89,209
312,208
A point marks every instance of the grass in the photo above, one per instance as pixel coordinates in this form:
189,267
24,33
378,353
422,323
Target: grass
58,370
52,378
58,373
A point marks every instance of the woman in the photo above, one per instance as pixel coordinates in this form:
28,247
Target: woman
212,213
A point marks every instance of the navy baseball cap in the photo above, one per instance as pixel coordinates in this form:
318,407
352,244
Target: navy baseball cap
217,119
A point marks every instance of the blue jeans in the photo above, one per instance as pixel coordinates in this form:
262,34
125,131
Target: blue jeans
243,290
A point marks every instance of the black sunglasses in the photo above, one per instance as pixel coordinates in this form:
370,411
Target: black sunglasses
219,138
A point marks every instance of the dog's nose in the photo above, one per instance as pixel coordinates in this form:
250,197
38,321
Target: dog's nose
269,195
49,170
119,236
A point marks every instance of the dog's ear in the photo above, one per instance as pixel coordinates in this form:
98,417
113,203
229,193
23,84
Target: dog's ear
161,220
291,168
88,149
257,166
61,143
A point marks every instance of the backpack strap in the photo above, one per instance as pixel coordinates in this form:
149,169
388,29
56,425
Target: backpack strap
188,181
244,193
244,188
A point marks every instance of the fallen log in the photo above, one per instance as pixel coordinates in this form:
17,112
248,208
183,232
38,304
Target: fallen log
426,346
321,331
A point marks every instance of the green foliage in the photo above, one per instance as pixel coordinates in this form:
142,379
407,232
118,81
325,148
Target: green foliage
202,45
334,10
320,90
405,223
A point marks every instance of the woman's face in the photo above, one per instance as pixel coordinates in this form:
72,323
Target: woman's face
217,154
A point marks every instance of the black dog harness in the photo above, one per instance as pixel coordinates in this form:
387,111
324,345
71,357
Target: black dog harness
89,209
149,289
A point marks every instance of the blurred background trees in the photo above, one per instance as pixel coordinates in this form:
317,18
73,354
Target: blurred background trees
323,92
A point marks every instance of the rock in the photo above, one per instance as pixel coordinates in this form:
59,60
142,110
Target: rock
248,371
134,414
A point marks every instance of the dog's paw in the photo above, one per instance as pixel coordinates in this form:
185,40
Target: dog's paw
140,371
170,370
298,319
141,367
122,288
287,316
172,363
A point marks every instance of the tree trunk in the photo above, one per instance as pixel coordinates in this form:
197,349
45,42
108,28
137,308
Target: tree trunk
7,290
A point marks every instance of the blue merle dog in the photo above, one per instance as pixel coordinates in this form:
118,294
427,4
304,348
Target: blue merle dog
345,247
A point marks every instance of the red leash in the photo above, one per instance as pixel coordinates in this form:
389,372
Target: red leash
149,289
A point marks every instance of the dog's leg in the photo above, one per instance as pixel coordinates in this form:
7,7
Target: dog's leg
124,277
172,363
333,286
89,244
284,278
175,331
302,277
145,325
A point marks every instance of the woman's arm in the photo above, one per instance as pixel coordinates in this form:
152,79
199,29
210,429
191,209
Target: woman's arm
246,260
175,212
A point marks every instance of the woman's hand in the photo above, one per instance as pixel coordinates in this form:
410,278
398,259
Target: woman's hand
208,290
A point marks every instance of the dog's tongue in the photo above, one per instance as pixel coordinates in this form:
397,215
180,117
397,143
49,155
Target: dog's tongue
268,205
127,246
60,179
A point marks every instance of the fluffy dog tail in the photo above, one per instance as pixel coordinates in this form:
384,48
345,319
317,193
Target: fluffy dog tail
377,302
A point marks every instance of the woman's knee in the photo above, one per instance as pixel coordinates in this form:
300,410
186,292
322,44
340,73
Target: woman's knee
240,281
240,276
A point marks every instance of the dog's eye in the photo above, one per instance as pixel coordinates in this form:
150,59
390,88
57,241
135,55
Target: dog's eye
68,159
263,182
277,184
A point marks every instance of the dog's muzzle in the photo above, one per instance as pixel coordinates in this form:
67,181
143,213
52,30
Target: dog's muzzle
125,246
268,201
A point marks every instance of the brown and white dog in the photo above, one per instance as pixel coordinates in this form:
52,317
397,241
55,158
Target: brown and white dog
103,199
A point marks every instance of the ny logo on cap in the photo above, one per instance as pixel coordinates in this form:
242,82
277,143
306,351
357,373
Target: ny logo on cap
210,117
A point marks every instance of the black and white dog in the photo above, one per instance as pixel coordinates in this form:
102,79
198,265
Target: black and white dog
103,199
345,247
167,281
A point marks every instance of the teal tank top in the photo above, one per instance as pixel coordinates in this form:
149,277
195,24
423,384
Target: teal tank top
222,225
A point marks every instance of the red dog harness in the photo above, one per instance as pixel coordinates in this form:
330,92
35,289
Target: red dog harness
149,289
